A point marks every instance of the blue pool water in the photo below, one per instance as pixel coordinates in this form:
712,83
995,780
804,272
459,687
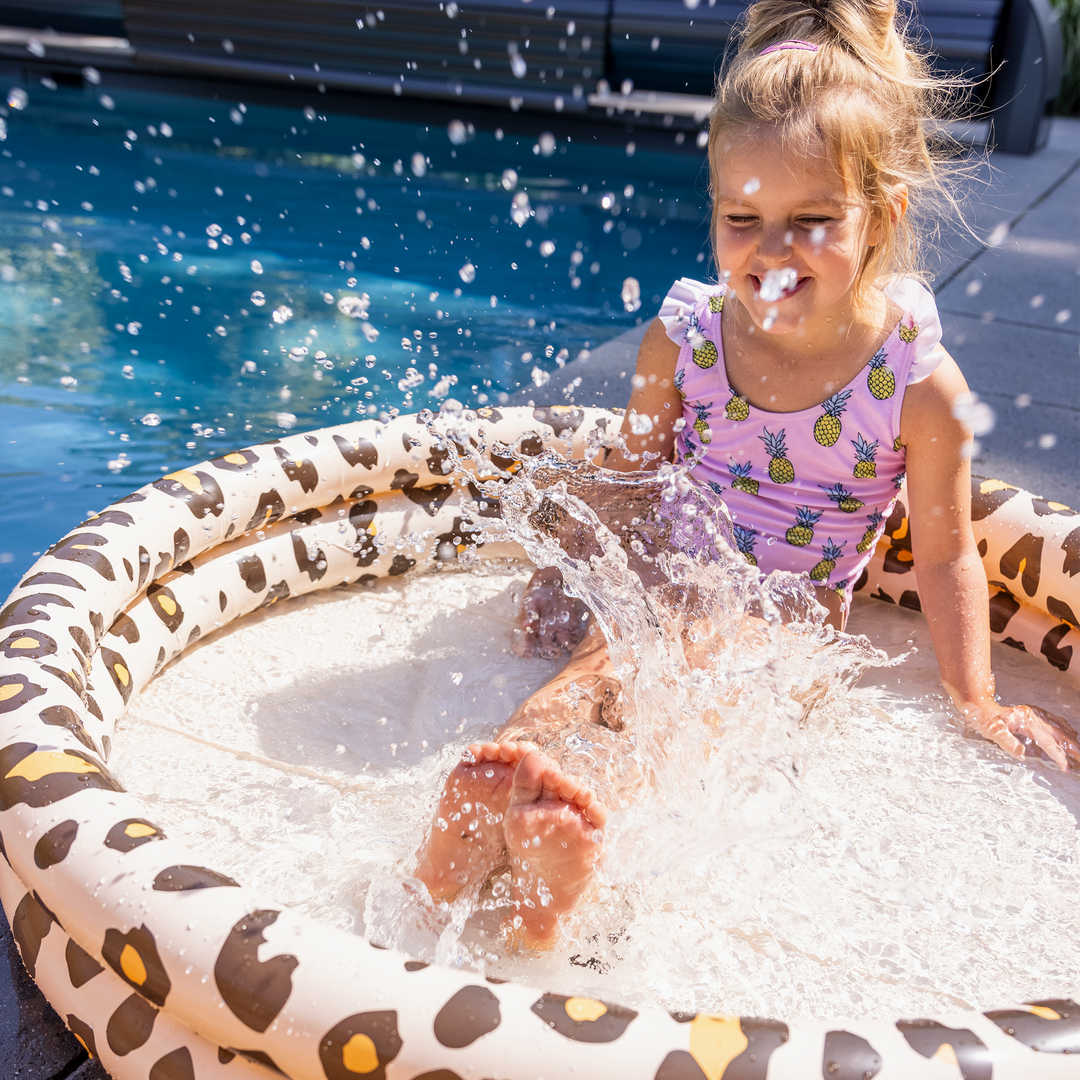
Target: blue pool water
173,272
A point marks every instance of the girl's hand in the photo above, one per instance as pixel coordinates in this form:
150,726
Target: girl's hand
1007,725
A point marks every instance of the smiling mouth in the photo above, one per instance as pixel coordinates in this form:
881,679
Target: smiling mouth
797,287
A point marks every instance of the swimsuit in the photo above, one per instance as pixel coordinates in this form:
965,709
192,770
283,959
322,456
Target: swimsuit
808,491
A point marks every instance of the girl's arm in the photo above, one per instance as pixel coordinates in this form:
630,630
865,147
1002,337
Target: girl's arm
952,583
654,395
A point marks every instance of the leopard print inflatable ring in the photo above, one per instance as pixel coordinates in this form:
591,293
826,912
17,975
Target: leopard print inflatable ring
167,969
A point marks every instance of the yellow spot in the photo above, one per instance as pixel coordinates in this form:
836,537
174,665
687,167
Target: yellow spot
83,1044
358,1055
236,459
131,964
25,643
137,828
1023,566
1057,506
995,485
1043,1011
81,547
715,1041
902,531
9,690
47,763
186,479
579,1008
904,556
166,603
122,673
945,1053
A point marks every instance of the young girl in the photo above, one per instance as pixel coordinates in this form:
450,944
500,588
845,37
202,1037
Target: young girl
803,389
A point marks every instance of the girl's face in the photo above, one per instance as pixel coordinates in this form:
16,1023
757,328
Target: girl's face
778,210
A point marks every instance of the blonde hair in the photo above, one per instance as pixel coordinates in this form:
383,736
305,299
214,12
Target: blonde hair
865,94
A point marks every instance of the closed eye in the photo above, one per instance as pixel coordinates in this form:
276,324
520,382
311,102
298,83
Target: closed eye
739,219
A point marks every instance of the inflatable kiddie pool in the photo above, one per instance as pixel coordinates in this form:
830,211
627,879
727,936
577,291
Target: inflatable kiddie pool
166,969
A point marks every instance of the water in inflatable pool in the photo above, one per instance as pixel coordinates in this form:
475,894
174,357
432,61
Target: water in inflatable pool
870,861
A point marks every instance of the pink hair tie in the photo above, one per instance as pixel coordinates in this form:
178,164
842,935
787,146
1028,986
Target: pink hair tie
806,46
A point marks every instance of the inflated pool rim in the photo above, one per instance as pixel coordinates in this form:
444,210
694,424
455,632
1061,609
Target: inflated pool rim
169,970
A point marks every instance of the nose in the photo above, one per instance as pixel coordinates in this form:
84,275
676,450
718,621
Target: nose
775,244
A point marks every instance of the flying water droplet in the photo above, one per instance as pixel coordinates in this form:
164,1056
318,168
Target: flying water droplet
467,273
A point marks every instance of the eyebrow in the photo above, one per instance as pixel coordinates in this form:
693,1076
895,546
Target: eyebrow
810,202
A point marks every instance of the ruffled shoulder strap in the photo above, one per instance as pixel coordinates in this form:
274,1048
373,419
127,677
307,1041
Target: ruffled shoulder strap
683,298
918,302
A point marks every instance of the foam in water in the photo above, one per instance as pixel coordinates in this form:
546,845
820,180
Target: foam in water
863,858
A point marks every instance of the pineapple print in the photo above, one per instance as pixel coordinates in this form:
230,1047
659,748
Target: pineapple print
827,565
781,471
716,304
898,480
864,454
736,409
827,427
802,532
841,586
701,424
706,356
881,380
680,377
908,333
897,445
843,498
867,541
741,479
746,539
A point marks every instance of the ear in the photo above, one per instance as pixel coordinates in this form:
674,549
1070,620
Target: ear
896,207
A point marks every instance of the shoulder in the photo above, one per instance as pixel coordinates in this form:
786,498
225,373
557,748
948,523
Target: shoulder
920,311
686,299
933,407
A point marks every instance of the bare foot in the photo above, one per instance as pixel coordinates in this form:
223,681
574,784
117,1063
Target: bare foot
551,621
465,843
552,829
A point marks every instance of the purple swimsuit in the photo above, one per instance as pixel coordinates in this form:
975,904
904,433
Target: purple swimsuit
808,491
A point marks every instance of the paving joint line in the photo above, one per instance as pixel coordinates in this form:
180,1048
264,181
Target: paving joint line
1041,404
938,288
1010,322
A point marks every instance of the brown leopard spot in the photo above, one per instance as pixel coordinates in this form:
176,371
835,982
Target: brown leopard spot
430,499
134,957
988,495
124,626
562,419
131,833
680,1065
1046,507
957,1046
176,1065
299,470
82,548
110,517
358,452
165,606
1071,546
130,1025
910,599
42,777
83,1032
313,566
270,508
1060,610
1057,654
188,878
118,671
277,592
62,716
28,644
255,990
51,577
470,1014
237,461
16,691
53,847
82,967
362,517
1003,606
849,1057
360,1045
29,609
252,572
198,490
1024,558
30,926
1051,1027
401,564
583,1019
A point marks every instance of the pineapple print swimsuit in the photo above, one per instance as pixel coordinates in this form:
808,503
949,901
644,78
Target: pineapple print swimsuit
808,491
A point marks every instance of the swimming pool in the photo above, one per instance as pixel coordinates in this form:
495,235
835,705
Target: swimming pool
172,274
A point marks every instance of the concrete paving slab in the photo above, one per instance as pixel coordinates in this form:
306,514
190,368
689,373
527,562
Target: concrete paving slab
1001,188
1031,278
